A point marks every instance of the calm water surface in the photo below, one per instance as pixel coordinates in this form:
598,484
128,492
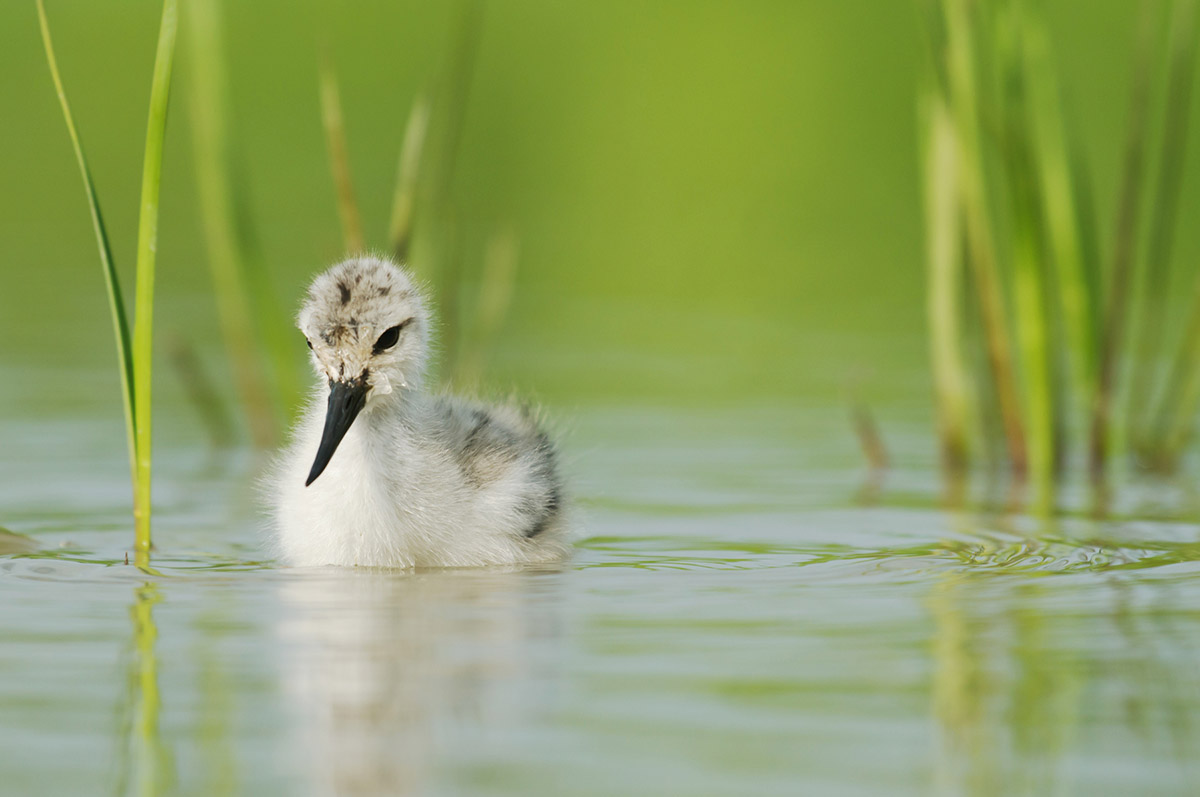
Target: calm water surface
744,615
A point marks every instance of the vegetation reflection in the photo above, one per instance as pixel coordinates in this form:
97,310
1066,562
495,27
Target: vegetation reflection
146,764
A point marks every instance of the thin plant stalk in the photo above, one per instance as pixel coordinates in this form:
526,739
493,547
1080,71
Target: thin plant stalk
1030,272
404,198
207,400
944,311
339,159
143,332
1078,275
214,178
272,322
112,283
451,98
1183,391
438,253
497,280
977,217
450,259
1121,274
1169,426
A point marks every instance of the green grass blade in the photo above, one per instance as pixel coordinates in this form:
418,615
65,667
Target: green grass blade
496,286
274,325
1183,393
1170,423
1030,271
277,335
1121,273
964,104
404,198
436,257
453,92
143,332
1077,278
207,400
227,257
339,159
112,284
944,287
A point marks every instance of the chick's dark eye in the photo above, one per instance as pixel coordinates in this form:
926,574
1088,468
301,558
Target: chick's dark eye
388,339
309,342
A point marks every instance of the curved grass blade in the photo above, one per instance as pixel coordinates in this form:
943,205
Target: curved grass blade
1034,320
143,333
1123,254
112,284
1077,271
404,199
339,159
977,217
497,281
440,260
227,254
945,274
1170,426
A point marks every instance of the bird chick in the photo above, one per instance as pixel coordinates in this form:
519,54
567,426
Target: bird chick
381,473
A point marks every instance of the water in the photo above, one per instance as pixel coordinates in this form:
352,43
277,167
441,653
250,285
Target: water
743,615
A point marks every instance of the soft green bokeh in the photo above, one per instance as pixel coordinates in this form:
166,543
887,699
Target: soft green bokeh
716,203
713,200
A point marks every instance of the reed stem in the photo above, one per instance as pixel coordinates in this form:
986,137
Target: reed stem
497,282
339,159
214,179
143,332
1170,425
944,311
405,196
977,216
1128,210
1078,273
1030,272
112,283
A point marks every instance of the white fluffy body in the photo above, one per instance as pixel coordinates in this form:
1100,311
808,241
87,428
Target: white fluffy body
418,480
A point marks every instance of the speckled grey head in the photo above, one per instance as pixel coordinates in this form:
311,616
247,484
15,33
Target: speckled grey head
365,321
368,331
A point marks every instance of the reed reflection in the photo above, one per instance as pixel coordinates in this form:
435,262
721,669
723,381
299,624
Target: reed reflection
145,767
1025,669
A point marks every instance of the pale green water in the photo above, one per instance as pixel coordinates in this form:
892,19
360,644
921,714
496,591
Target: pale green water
735,621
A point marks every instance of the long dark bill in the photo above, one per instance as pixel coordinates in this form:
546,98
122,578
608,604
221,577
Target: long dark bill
346,400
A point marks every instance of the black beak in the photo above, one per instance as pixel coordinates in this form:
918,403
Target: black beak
346,400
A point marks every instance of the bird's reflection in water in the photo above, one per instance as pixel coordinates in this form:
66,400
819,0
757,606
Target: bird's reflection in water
387,671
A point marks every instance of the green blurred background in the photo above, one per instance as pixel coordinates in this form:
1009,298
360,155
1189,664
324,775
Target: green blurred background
715,201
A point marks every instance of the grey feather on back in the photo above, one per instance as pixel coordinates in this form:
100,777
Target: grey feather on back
488,444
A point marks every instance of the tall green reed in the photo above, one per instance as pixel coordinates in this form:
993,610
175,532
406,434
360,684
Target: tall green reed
1030,272
404,198
422,230
1120,276
998,133
1166,430
339,158
261,361
943,236
134,352
962,89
